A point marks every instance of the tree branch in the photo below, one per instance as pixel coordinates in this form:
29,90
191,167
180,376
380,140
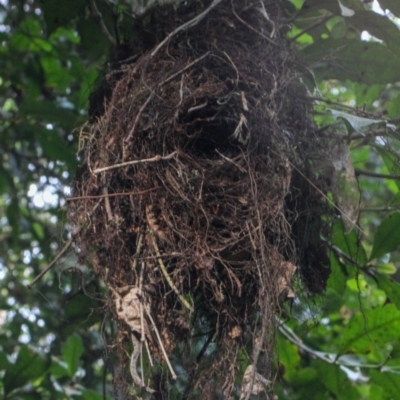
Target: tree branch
99,18
376,175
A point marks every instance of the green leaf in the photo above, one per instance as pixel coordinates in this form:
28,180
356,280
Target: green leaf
371,329
349,243
59,13
72,352
391,162
363,62
28,366
289,357
378,26
93,41
390,287
388,269
336,381
91,395
392,5
387,237
393,107
337,278
390,383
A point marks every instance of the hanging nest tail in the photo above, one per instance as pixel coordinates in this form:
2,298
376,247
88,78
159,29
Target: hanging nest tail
189,191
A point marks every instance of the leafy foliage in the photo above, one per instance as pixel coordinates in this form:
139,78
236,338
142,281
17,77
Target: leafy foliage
345,345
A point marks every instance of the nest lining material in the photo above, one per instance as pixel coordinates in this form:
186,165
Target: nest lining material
188,159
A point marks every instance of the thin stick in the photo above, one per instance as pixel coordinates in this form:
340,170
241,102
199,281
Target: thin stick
61,252
125,164
151,95
101,196
251,28
98,17
181,71
149,354
107,203
161,344
142,337
194,21
165,273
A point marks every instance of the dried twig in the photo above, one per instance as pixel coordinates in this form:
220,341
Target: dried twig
151,95
113,194
161,344
165,273
98,17
125,164
194,21
251,28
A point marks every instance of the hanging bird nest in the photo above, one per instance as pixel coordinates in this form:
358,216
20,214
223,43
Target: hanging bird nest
193,190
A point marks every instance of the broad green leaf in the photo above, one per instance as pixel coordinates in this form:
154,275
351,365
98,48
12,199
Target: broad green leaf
379,26
371,329
389,382
391,162
387,237
393,107
336,381
29,365
388,269
338,277
91,395
58,369
72,352
391,288
289,357
363,62
392,5
348,243
93,41
367,94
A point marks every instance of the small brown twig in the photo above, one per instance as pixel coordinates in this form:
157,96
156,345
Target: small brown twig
194,21
125,164
170,78
113,194
144,105
107,203
251,28
165,273
174,377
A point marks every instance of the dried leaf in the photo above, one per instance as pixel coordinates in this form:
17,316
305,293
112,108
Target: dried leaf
253,382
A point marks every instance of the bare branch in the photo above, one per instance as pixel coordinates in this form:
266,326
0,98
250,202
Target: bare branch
98,17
